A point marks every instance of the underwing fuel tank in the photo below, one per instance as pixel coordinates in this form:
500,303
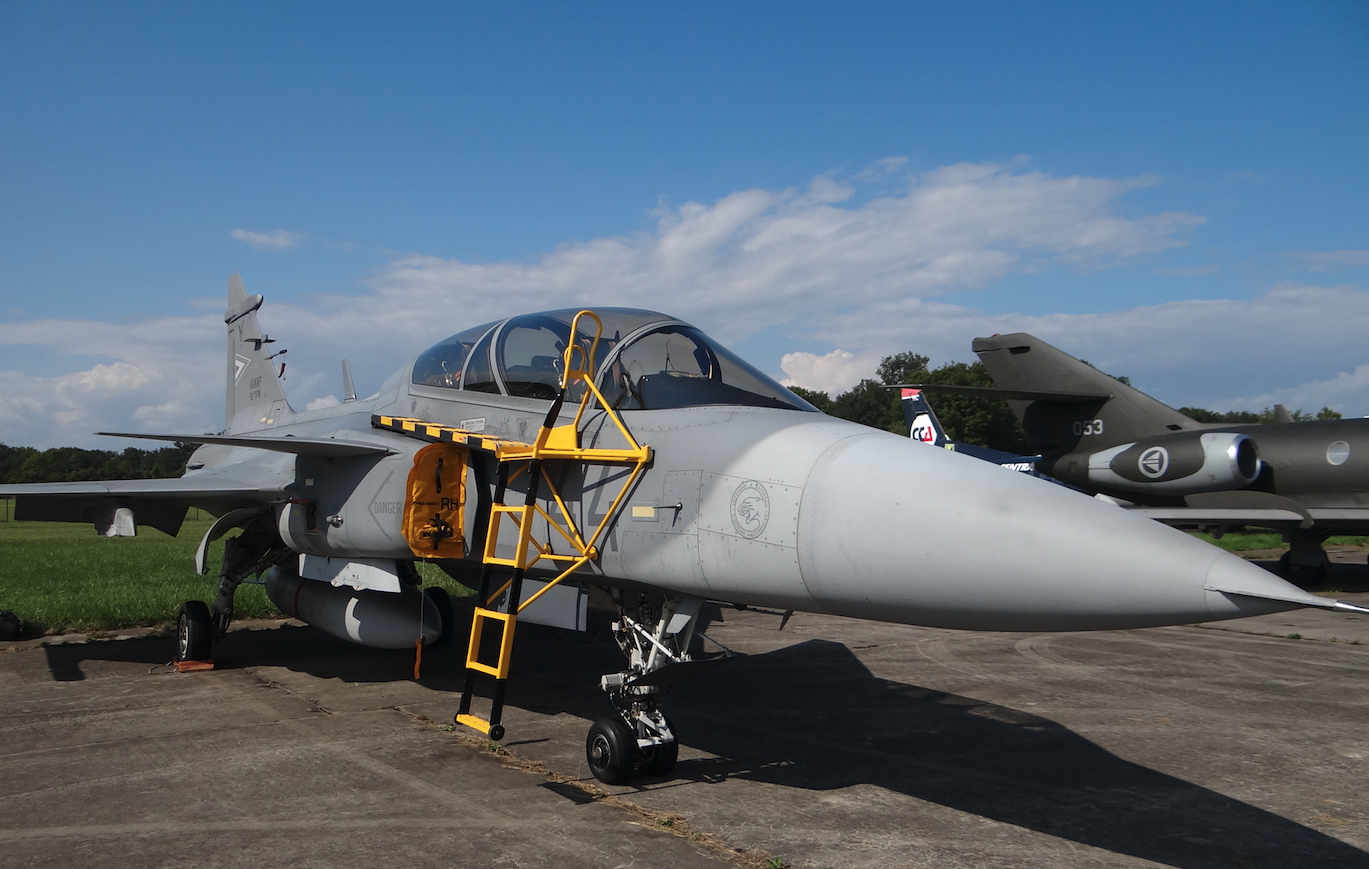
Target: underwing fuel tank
380,619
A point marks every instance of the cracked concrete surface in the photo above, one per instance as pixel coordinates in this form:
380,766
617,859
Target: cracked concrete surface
834,743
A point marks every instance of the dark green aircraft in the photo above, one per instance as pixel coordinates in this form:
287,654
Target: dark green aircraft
1307,480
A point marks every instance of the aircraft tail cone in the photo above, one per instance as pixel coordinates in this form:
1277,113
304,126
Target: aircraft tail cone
1237,588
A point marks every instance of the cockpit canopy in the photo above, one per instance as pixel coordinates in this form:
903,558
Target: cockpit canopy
645,361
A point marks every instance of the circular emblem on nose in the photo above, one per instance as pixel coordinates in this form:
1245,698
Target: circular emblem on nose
750,509
1154,462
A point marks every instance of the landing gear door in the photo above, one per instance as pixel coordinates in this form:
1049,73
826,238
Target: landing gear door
435,501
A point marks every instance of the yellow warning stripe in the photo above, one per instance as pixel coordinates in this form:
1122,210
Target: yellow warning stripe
433,432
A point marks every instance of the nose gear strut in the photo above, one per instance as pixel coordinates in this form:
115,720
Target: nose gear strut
658,656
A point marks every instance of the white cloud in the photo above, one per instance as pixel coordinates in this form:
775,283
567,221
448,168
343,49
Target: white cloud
321,403
162,375
818,265
277,239
1223,354
760,258
1331,260
1347,392
831,373
824,189
177,416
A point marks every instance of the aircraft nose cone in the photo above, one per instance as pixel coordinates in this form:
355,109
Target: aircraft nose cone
1236,589
898,531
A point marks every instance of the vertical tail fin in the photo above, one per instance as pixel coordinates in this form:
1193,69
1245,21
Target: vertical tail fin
920,420
1108,412
255,397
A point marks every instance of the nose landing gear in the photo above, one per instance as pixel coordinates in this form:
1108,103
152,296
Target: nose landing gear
640,736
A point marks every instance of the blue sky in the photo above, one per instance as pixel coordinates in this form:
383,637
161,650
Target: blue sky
1175,191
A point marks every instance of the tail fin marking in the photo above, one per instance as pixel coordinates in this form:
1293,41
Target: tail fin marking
920,419
255,398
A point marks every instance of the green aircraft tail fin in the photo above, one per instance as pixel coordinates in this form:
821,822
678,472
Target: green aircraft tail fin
1108,412
255,397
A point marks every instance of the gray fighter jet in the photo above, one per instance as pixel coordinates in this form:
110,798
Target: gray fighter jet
624,452
1309,480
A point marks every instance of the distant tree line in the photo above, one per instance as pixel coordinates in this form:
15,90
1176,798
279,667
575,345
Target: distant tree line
1264,416
987,422
72,464
982,421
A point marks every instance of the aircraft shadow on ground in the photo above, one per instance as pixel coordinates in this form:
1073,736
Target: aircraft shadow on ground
811,716
64,661
309,650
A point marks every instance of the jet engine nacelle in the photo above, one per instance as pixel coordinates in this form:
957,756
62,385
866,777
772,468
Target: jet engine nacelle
383,620
1178,464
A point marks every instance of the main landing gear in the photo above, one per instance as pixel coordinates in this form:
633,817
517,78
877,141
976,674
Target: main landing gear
640,736
257,548
194,632
1306,563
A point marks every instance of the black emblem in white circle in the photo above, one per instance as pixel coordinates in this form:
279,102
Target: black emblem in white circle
750,509
1154,462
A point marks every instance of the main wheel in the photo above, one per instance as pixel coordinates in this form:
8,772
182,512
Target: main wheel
194,632
443,602
1303,575
611,750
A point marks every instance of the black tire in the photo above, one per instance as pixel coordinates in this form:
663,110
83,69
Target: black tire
611,750
1304,575
194,632
659,759
445,612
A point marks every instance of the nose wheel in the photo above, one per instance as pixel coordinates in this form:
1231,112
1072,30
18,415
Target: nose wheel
611,750
656,645
615,748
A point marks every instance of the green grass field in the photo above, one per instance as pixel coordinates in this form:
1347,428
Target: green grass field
1245,541
60,577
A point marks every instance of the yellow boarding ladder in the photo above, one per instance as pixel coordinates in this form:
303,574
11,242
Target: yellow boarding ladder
553,443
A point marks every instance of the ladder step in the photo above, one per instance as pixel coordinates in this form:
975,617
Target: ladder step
499,670
474,721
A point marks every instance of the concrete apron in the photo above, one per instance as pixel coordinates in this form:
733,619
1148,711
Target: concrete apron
833,743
